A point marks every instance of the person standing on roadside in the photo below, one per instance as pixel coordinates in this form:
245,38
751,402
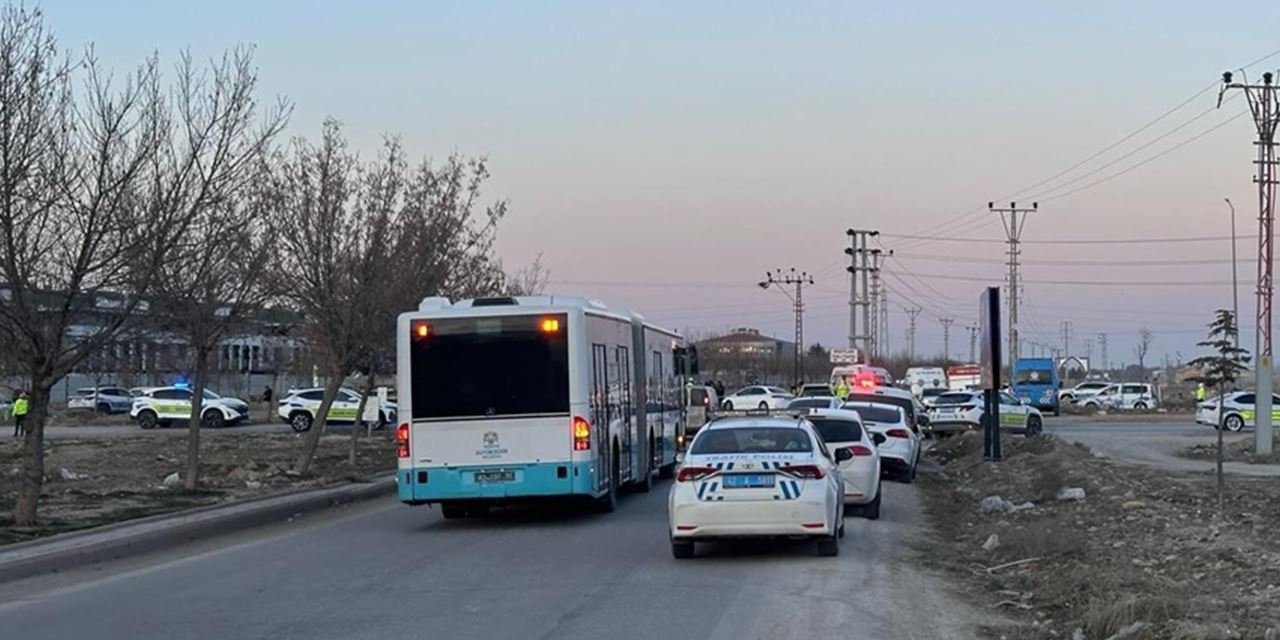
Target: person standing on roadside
20,407
267,395
842,389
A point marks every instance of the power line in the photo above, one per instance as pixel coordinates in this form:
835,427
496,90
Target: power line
1166,240
1070,263
1092,283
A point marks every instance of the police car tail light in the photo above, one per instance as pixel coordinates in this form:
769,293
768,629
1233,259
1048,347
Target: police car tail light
402,441
898,433
581,434
860,451
690,474
805,471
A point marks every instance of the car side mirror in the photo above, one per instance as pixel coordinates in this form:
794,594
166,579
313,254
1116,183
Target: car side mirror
843,454
922,420
878,438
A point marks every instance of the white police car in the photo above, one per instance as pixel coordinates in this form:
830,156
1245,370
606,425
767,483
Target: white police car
162,406
962,411
1239,410
298,408
752,477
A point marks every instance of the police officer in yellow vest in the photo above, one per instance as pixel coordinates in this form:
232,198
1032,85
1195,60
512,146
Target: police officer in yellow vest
842,389
20,415
1200,392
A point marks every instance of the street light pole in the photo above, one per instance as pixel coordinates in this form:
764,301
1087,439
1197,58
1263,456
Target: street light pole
1235,286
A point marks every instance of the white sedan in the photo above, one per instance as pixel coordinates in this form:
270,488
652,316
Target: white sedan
841,429
756,397
754,477
1238,410
900,451
962,411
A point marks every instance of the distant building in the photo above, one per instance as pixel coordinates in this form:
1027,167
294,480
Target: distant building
746,356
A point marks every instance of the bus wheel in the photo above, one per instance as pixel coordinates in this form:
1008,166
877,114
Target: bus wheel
646,483
609,501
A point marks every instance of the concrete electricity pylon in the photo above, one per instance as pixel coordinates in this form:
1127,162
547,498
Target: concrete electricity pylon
912,314
946,339
1104,363
1066,338
1266,113
1014,220
859,301
799,280
973,341
875,294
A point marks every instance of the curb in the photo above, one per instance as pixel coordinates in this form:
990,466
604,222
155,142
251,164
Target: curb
165,531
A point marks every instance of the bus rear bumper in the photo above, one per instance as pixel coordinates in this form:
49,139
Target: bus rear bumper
424,485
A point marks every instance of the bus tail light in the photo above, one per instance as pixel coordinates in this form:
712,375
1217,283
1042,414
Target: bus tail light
402,441
690,474
898,433
581,434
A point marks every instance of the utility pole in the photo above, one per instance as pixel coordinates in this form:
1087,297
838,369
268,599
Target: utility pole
1266,113
874,295
912,313
973,342
1014,220
884,322
1088,353
1066,338
781,280
859,301
1102,345
946,339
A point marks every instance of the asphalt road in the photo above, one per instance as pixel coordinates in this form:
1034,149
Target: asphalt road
1154,443
384,570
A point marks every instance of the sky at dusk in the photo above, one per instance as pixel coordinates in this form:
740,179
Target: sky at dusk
663,155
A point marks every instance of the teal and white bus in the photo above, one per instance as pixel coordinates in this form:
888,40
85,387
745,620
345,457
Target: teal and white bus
531,398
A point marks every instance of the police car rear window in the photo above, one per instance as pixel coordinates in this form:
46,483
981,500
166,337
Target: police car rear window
837,430
810,403
883,415
752,440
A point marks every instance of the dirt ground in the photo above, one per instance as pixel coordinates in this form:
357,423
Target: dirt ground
1144,550
116,479
1241,451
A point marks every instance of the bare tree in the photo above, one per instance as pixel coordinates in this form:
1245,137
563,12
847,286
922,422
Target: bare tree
1140,349
88,210
214,273
368,241
529,280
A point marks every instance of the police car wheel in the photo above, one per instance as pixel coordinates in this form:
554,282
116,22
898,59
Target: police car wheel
829,547
1033,426
871,510
213,420
300,421
104,408
764,405
147,419
1233,423
682,550
1140,406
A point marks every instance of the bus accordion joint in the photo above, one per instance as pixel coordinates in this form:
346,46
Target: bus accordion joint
581,434
402,441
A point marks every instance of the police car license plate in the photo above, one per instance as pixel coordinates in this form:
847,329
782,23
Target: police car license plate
488,477
748,480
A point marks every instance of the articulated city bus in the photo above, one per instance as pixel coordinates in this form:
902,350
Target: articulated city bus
512,399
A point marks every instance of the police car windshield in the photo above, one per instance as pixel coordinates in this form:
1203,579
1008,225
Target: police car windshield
752,440
833,430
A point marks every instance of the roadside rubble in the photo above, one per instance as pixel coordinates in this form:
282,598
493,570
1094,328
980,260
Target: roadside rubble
1074,546
97,481
1241,450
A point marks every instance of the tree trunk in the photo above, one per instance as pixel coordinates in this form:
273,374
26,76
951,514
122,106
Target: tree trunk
32,480
193,423
312,437
1222,488
355,429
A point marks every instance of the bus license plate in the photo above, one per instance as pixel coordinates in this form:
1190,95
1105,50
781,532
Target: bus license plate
748,481
489,477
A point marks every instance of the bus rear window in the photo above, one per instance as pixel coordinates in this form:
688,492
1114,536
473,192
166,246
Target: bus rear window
490,367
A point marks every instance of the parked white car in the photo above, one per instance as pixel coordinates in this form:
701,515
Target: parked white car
756,397
841,429
1238,410
298,407
1123,396
162,406
102,399
962,411
1081,391
900,451
753,477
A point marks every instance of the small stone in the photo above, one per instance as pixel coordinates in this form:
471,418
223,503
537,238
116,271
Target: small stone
69,475
1133,505
1130,630
172,480
1022,507
1070,494
252,484
993,542
1078,634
